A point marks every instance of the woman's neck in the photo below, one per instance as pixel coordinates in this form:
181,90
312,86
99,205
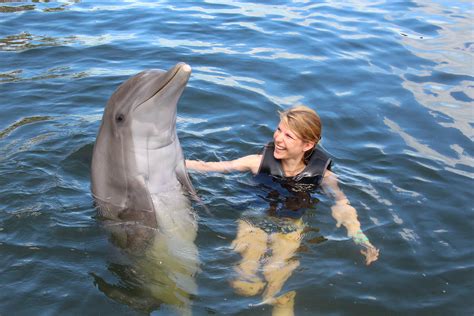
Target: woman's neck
292,167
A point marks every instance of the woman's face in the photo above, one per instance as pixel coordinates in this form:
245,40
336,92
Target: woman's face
287,144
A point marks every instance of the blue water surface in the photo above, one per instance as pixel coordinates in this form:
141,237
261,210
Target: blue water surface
393,82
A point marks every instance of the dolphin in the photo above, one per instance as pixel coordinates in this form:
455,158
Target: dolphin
137,151
141,187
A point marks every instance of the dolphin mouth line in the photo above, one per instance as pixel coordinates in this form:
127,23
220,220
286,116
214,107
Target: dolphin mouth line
162,87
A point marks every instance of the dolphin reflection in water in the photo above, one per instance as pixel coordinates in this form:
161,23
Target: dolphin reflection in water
141,187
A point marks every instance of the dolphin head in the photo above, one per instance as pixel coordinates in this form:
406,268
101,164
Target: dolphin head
147,104
137,150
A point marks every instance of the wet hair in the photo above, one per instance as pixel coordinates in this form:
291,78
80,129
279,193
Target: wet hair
305,123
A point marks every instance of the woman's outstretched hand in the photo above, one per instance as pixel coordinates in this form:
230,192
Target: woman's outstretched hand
370,252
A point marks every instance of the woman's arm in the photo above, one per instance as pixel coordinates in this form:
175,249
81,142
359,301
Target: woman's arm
247,163
346,215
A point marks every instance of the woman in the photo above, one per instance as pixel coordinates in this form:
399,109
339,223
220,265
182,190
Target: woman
295,161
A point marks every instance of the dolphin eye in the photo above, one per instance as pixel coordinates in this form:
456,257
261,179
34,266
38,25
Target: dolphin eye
120,118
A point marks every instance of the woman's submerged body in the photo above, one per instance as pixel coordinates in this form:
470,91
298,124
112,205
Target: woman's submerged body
295,140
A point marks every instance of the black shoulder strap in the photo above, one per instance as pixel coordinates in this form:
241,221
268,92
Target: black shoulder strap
269,165
317,165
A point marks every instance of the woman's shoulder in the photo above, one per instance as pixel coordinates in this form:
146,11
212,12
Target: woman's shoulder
250,162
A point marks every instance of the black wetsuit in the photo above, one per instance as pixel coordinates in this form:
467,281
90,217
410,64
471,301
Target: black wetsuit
289,200
307,180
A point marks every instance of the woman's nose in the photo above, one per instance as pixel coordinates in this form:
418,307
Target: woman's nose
277,136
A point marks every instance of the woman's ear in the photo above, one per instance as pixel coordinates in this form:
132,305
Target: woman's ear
308,145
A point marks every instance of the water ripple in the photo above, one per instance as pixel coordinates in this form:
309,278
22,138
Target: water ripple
392,81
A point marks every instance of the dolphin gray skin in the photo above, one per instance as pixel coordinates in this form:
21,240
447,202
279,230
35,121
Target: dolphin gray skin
141,188
137,152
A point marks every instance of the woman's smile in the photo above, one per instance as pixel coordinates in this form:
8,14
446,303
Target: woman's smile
279,147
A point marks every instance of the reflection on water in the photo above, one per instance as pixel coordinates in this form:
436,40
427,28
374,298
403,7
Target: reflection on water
10,9
161,263
8,6
392,81
22,122
25,40
249,84
447,88
268,242
453,164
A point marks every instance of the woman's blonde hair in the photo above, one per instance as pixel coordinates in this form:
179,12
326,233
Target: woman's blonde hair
304,122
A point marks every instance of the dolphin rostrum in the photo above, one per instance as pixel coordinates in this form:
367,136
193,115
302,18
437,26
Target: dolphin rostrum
140,183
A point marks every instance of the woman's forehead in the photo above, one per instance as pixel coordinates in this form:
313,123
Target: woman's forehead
286,128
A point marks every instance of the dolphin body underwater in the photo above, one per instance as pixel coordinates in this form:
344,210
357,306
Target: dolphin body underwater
141,187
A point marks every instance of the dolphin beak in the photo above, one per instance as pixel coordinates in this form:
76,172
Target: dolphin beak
184,67
163,91
158,84
176,80
181,73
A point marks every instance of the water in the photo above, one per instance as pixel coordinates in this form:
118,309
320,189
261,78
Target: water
392,82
